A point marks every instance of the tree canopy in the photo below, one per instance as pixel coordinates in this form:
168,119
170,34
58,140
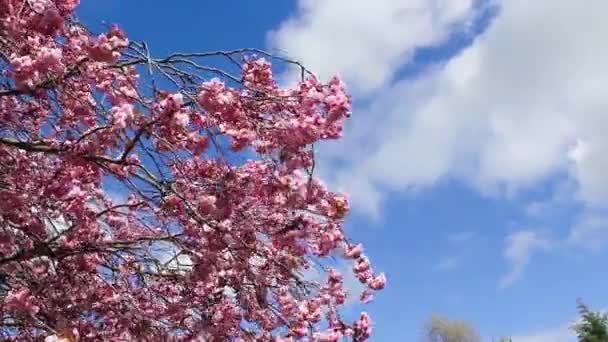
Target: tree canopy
443,329
164,198
592,326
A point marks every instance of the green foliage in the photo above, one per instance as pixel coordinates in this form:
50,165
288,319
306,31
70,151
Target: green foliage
442,329
593,326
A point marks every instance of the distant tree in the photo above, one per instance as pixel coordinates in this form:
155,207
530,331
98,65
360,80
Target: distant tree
442,329
504,339
592,326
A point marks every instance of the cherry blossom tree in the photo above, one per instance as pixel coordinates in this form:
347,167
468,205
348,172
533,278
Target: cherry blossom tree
164,198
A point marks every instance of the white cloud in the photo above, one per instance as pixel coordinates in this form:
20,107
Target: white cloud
590,232
446,264
366,41
527,100
591,164
520,246
558,334
459,244
560,199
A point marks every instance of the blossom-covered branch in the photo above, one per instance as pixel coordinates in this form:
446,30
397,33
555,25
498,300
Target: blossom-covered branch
169,198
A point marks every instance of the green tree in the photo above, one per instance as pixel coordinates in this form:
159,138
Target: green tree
442,329
592,326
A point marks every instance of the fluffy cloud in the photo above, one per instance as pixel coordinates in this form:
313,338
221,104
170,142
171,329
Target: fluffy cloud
520,246
527,100
590,232
366,41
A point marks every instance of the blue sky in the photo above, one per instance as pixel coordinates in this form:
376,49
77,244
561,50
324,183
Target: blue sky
474,158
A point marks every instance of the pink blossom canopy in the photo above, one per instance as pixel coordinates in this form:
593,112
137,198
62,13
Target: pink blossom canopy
165,198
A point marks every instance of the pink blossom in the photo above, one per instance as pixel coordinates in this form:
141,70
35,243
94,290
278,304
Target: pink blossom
106,47
182,119
353,252
378,282
366,296
21,300
258,73
206,204
123,114
361,265
328,336
363,327
50,59
40,6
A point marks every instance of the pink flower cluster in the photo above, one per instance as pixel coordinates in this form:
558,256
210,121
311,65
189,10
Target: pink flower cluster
272,118
364,272
29,70
20,301
257,74
106,47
